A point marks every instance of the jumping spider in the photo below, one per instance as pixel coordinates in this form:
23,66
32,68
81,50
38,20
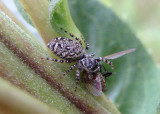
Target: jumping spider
72,51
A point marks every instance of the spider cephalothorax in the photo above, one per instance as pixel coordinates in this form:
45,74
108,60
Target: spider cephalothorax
89,64
72,51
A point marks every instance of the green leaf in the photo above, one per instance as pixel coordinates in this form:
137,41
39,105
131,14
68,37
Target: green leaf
134,86
23,102
38,14
13,17
59,16
22,12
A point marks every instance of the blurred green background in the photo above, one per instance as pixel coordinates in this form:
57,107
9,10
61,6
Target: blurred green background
143,16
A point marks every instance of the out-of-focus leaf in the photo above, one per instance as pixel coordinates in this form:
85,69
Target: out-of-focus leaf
134,86
37,10
143,17
14,101
151,40
22,12
13,17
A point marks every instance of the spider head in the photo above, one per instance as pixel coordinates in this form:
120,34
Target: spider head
89,64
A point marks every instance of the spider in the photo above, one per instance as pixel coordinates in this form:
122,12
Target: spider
72,51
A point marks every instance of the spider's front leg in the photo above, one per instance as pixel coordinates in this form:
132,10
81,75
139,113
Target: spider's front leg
109,63
106,73
77,78
106,61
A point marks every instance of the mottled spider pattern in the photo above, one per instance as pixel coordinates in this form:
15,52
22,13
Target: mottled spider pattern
71,50
66,48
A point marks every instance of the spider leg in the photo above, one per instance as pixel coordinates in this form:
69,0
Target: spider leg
104,68
67,71
77,78
72,36
109,63
106,61
57,60
106,73
87,45
91,55
103,82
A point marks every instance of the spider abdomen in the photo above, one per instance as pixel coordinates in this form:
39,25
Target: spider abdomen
66,48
